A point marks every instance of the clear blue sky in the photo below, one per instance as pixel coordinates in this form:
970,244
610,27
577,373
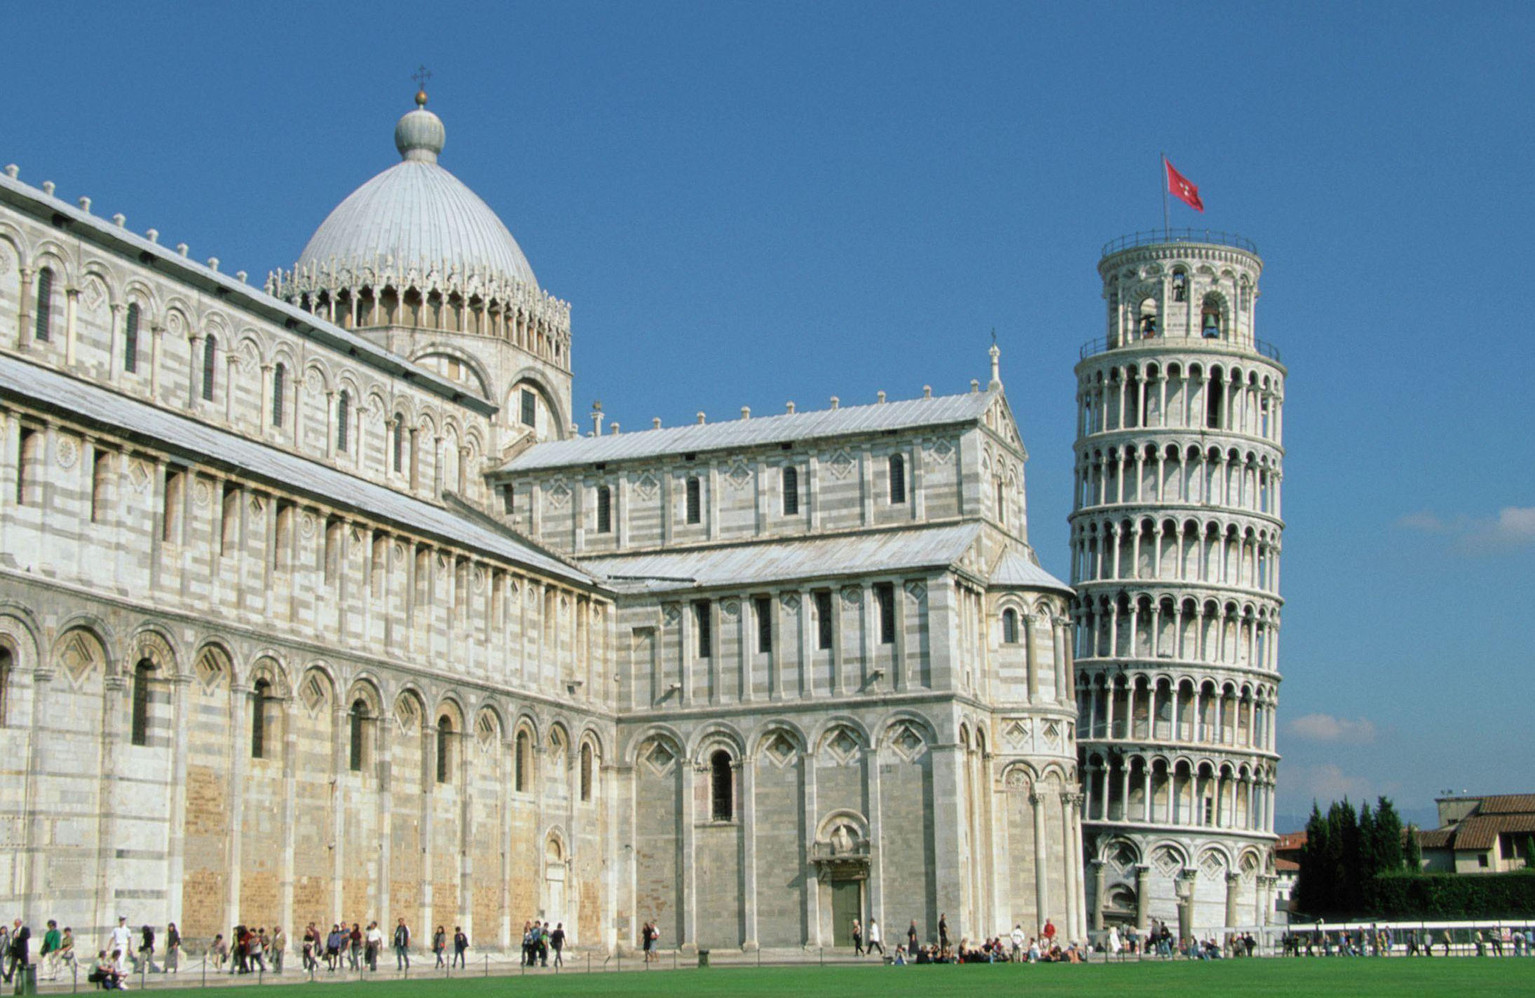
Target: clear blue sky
748,204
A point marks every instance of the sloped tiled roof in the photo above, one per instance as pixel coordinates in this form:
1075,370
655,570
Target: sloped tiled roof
768,561
741,433
1482,831
1507,804
217,447
1436,838
1015,568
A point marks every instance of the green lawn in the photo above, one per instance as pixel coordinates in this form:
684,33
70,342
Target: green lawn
1355,978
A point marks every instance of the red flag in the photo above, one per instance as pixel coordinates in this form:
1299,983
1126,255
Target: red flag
1179,187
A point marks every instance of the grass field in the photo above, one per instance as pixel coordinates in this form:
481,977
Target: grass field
1356,978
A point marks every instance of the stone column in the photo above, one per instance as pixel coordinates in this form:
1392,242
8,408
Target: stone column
1142,896
1041,859
1099,886
1071,804
748,782
23,337
239,751
71,322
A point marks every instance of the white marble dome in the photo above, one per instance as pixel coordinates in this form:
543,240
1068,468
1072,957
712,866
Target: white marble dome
417,215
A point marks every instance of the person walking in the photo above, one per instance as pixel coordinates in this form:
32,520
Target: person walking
122,937
857,938
279,947
50,950
310,938
172,949
440,946
943,931
460,945
874,940
255,950
401,946
911,939
355,950
67,950
21,937
557,943
374,941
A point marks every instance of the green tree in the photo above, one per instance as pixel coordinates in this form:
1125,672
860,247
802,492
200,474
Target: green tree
1389,855
1311,885
1413,855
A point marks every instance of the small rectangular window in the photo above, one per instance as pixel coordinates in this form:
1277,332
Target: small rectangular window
897,479
170,520
823,620
31,442
764,608
695,505
44,304
701,627
131,340
229,518
529,408
604,510
790,491
101,480
508,499
884,596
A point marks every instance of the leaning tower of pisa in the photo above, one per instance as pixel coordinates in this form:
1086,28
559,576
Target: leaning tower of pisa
1175,539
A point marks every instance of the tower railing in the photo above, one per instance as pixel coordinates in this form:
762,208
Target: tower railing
1154,237
1103,343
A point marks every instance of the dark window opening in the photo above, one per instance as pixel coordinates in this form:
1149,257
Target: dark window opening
695,506
26,461
508,499
259,698
529,408
210,364
444,749
764,608
131,339
790,491
358,724
279,390
139,728
1215,399
604,509
44,304
343,420
6,668
1009,627
823,620
1180,286
884,595
399,442
897,479
721,791
701,626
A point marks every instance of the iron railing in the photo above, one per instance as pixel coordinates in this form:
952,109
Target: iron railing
1101,344
1155,237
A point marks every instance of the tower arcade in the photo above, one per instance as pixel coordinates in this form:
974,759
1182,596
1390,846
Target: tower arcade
1175,541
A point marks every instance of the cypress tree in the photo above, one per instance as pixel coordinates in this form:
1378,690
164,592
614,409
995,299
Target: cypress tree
1413,854
1310,887
1389,854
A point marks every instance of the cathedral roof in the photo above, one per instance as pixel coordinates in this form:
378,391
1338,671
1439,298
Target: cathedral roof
1017,570
738,433
215,447
417,215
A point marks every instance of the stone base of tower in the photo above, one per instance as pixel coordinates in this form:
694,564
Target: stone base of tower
1198,884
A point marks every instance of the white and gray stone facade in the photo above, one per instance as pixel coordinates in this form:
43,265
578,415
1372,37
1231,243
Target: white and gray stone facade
1175,539
300,619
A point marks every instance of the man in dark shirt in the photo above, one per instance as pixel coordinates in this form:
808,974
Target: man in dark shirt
557,940
21,935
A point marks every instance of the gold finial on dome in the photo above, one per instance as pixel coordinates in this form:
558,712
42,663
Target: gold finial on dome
421,75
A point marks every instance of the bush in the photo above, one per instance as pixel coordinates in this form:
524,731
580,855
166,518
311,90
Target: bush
1451,895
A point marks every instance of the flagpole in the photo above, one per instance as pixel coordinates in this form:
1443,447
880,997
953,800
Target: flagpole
1166,233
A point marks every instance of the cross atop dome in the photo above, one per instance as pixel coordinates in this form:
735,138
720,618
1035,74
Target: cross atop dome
421,75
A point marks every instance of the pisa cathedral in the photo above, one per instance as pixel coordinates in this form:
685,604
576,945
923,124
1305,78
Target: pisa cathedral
318,604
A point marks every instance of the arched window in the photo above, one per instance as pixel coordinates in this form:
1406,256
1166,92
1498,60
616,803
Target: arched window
897,479
44,303
1210,320
279,389
586,771
1009,626
259,697
790,490
1215,403
210,361
343,419
131,339
6,668
444,748
357,756
695,505
139,728
522,763
399,442
721,790
1001,502
604,510
1180,286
